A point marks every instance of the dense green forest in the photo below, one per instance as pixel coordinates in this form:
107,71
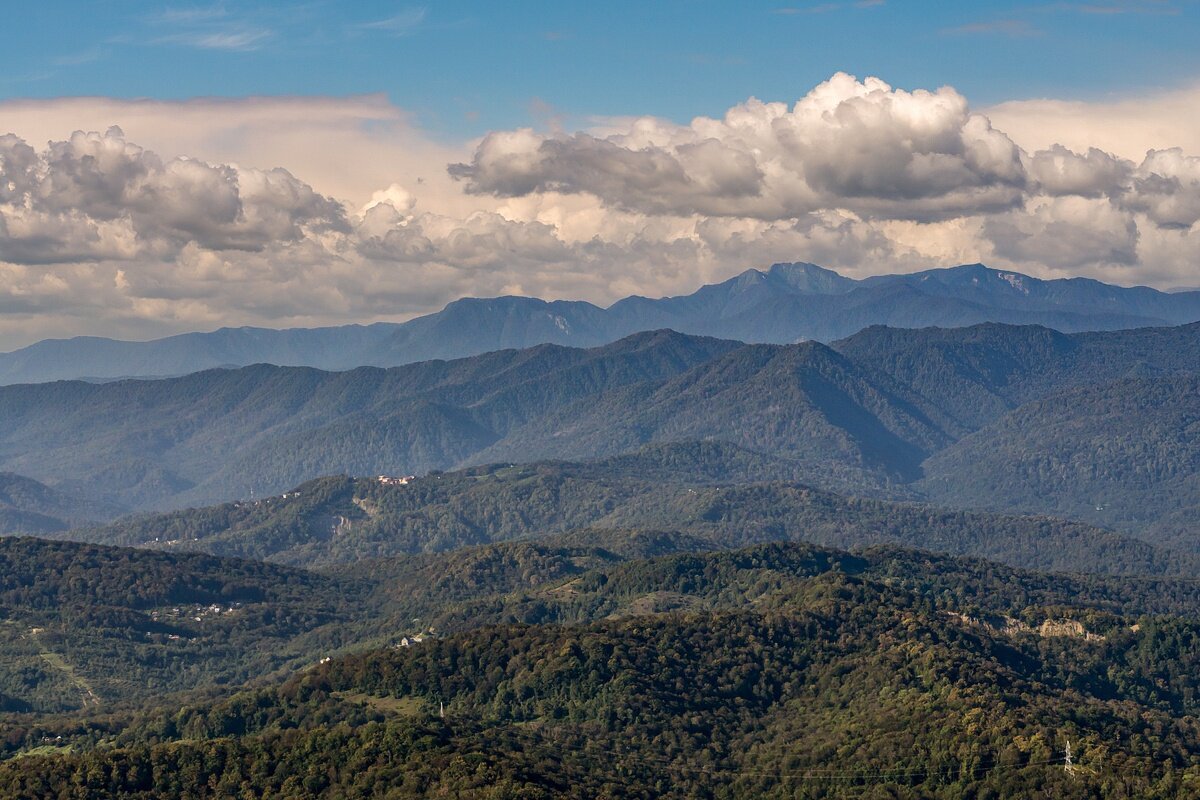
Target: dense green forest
342,520
221,434
723,578
1124,454
780,670
87,626
886,413
974,375
83,626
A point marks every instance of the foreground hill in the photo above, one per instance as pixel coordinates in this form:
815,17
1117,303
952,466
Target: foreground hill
342,520
84,626
764,672
787,303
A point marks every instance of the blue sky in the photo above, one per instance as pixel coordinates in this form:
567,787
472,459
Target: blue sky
464,67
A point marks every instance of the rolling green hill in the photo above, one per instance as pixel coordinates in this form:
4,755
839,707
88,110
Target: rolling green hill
342,520
881,414
764,672
83,626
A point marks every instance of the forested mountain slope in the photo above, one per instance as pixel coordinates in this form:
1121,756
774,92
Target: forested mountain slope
1124,454
342,520
970,376
83,626
803,402
225,433
753,673
30,507
880,414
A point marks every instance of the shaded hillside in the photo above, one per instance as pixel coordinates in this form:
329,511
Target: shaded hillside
1178,530
872,415
222,434
32,508
585,576
804,402
783,304
1121,454
775,667
966,378
340,520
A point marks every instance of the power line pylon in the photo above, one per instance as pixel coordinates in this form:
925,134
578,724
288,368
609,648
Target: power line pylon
1068,760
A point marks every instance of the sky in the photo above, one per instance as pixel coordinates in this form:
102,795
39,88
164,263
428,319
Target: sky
167,167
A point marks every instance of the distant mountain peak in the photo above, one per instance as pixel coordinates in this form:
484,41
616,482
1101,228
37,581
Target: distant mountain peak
751,277
787,302
810,278
973,274
505,301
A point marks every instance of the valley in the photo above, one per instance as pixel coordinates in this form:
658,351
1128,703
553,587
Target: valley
579,401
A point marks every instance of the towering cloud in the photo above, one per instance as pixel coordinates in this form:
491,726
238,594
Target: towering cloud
864,147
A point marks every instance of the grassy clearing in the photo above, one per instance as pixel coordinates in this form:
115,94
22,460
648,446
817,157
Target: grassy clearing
396,706
41,750
89,697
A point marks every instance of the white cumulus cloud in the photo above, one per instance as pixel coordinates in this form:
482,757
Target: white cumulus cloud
307,211
863,146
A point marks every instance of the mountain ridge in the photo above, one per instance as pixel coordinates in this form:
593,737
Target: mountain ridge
340,520
866,415
31,507
785,303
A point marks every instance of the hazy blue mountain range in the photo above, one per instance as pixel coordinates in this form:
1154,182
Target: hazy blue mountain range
899,414
30,507
784,304
222,434
1124,453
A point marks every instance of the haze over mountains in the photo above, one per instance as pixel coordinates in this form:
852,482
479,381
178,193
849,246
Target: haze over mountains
982,417
30,507
784,304
340,520
631,537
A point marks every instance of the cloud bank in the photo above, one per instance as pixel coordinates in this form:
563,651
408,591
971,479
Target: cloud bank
860,147
279,211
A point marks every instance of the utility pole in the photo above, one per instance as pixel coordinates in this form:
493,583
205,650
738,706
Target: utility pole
1068,761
